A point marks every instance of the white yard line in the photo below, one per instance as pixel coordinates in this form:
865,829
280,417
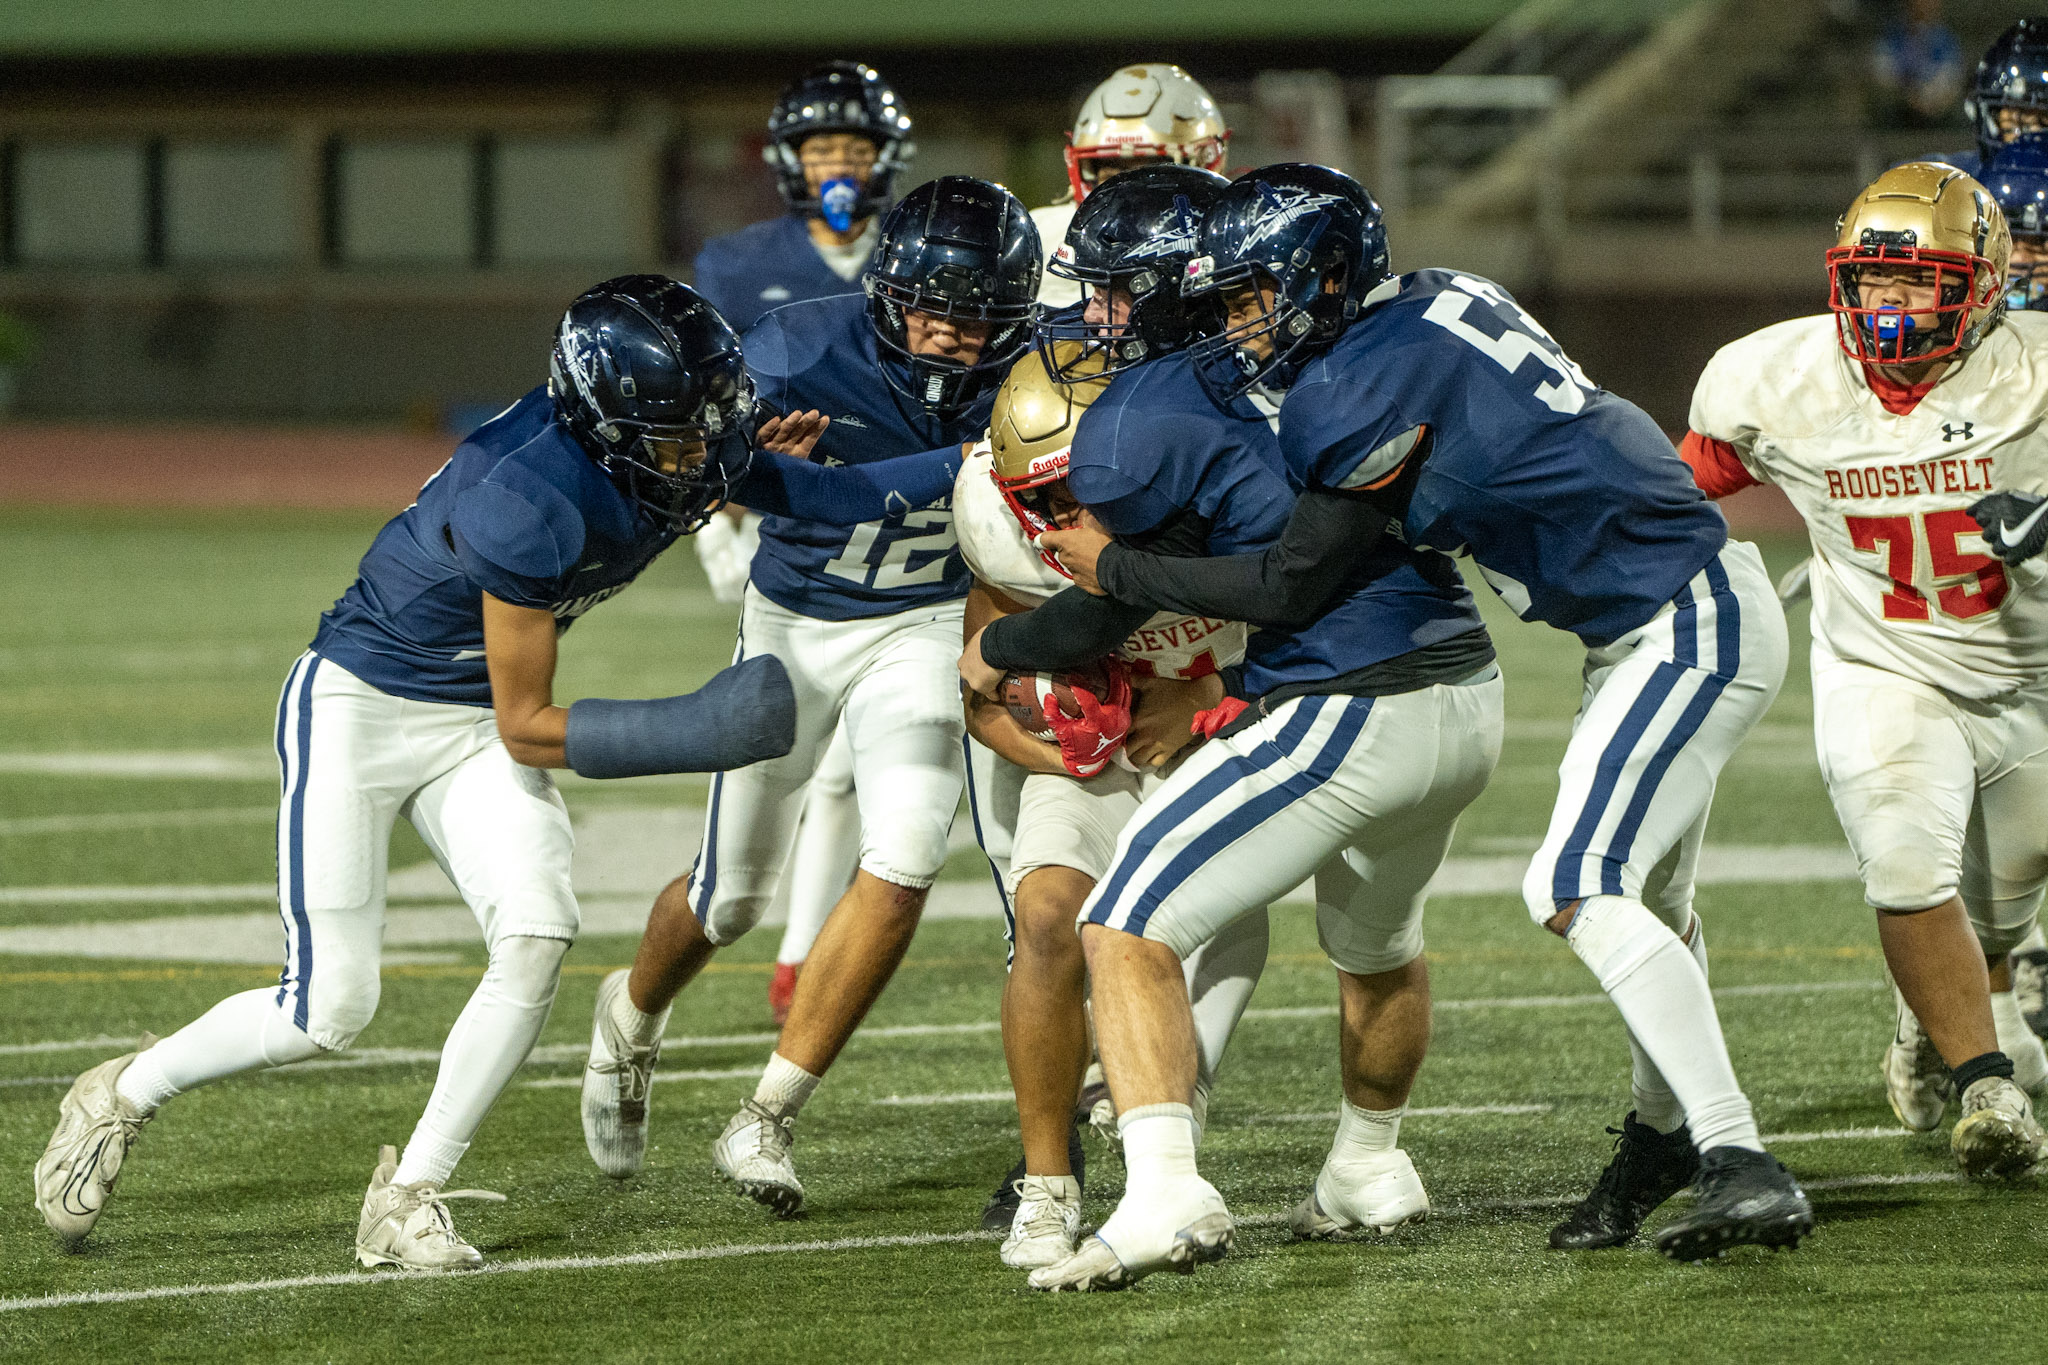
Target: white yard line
139,819
216,765
1420,1111
734,1073
359,1279
959,1097
1836,1134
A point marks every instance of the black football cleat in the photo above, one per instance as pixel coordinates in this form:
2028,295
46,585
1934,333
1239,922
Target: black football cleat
1648,1168
1745,1199
1001,1209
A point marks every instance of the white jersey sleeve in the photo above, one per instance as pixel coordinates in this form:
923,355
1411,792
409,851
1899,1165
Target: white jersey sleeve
1902,579
997,551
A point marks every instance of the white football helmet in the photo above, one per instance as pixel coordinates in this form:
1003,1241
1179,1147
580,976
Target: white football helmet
1150,112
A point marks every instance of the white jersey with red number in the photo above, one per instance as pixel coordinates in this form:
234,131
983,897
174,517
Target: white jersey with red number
1001,555
1902,579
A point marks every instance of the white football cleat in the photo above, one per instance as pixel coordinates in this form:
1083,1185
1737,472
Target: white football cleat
1098,1108
95,1128
1047,1224
1916,1080
408,1225
753,1153
1382,1194
617,1082
1997,1134
1191,1228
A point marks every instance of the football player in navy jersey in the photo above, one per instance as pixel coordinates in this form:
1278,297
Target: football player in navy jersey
1438,402
428,692
868,623
2008,96
837,140
1375,719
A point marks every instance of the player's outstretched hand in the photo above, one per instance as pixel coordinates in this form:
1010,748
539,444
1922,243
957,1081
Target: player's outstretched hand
1077,551
2015,524
792,433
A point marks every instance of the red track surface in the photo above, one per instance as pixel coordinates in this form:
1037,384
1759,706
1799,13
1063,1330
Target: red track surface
198,466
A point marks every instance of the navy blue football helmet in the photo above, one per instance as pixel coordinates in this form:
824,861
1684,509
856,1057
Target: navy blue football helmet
2011,76
2018,179
961,248
1313,242
1133,236
648,378
838,97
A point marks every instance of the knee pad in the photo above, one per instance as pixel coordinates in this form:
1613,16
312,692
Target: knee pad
525,971
340,1006
1366,949
1906,877
908,852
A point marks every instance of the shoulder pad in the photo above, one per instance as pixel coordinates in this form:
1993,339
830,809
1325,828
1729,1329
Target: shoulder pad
518,521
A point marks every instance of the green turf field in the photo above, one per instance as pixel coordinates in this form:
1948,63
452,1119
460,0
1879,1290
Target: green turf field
155,644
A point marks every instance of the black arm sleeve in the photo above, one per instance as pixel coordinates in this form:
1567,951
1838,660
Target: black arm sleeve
1070,629
1283,585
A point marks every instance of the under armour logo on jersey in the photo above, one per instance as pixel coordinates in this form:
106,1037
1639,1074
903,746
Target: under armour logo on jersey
1949,433
851,419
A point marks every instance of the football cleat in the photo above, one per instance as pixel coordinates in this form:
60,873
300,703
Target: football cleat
782,990
617,1083
1997,1134
1916,1080
753,1153
1745,1199
95,1128
1001,1209
1047,1224
1648,1168
408,1225
1193,1230
1381,1194
2030,988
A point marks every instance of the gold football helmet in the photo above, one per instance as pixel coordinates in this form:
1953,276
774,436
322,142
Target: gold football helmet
1932,217
1031,433
1150,112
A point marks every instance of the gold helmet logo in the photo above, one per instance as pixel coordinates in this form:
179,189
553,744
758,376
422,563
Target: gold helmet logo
1918,268
1031,433
1150,112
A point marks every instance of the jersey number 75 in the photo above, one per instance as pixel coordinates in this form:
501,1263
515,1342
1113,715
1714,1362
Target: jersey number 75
1982,590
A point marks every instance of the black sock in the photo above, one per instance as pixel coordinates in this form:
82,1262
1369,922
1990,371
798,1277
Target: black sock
1977,1068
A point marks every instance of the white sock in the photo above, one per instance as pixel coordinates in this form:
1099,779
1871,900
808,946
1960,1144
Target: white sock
244,1032
1159,1144
784,1087
489,1043
1662,994
1363,1134
2015,1040
1655,1105
641,1028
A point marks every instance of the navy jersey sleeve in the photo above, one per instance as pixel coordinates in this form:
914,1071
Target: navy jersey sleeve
516,536
1123,505
1345,433
766,349
784,486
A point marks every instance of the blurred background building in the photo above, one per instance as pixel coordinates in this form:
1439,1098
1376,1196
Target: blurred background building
250,210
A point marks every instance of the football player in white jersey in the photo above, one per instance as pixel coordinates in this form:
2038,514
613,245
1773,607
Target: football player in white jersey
1886,421
1145,114
1075,801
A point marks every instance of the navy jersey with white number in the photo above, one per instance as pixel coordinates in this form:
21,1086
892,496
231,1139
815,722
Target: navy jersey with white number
1154,450
519,512
1571,501
823,355
763,266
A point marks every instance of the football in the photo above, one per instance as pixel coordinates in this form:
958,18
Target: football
1026,695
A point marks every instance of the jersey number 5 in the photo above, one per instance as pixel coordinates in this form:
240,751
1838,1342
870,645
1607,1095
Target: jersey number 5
1521,338
1984,590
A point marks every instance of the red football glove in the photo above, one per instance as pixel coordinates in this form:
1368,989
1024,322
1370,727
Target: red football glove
1207,723
1088,741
